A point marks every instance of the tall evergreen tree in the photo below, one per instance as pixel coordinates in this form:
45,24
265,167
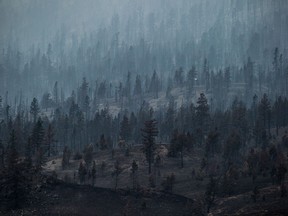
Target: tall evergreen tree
15,179
265,112
128,85
34,109
155,85
134,169
191,76
125,129
149,132
206,74
117,171
202,113
138,86
37,135
49,141
56,93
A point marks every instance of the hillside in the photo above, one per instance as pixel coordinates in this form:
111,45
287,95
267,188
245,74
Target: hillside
60,198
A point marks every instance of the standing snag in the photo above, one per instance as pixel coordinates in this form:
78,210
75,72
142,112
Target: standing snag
134,170
117,171
93,173
210,193
82,172
66,157
149,132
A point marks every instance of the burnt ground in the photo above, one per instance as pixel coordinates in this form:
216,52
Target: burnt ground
268,203
64,198
69,199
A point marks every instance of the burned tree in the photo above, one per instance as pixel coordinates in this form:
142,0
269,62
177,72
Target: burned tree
117,171
134,169
149,132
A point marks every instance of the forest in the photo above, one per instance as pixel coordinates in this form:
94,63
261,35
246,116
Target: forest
143,107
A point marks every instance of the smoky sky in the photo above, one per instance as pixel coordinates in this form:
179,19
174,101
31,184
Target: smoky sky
106,38
37,21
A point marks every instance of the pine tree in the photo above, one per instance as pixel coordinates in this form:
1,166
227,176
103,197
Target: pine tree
232,147
134,169
210,193
179,143
276,70
169,182
1,107
149,132
28,152
82,93
277,113
138,86
168,126
49,141
117,171
202,113
103,143
37,135
46,101
15,179
191,76
56,93
34,109
128,85
249,77
37,143
212,143
1,155
265,112
82,172
88,155
12,155
227,79
206,75
155,85
66,157
179,77
125,129
169,88
86,106
93,173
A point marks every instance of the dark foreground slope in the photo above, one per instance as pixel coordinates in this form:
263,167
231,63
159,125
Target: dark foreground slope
68,199
268,203
54,197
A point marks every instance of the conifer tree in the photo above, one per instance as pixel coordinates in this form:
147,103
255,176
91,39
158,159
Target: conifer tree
117,171
149,132
66,157
15,178
93,173
34,109
56,93
202,113
138,86
212,143
49,141
191,76
210,193
265,112
134,169
125,130
88,155
37,135
82,172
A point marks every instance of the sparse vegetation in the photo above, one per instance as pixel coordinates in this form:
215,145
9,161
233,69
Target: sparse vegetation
148,107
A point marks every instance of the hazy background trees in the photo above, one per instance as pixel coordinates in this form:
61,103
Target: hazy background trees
57,43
